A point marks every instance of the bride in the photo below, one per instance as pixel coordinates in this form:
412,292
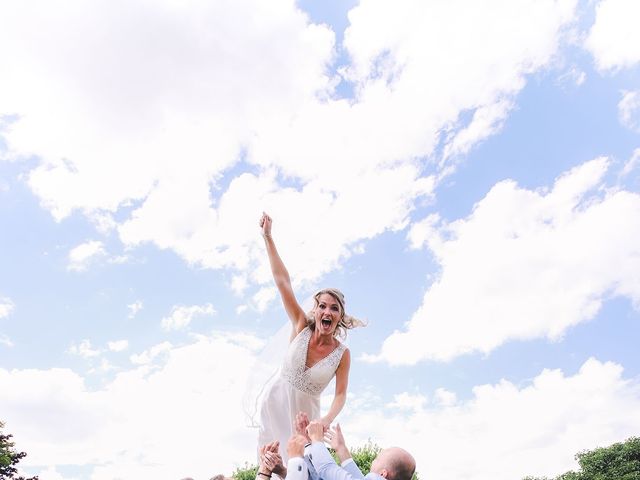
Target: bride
313,357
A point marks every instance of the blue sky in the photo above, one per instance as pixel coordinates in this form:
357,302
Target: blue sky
467,174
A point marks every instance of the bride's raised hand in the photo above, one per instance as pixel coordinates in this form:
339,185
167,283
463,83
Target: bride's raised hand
265,224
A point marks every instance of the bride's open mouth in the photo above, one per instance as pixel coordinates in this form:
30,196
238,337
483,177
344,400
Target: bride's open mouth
326,322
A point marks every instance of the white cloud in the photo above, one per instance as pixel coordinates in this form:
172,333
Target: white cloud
151,354
632,163
408,401
486,121
134,308
6,307
574,76
84,349
51,473
614,38
152,142
629,110
121,428
445,398
105,366
506,431
240,309
181,315
81,256
263,297
524,264
118,345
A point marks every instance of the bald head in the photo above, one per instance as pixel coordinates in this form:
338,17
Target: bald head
394,464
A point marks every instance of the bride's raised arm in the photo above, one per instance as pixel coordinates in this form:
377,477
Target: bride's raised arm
281,278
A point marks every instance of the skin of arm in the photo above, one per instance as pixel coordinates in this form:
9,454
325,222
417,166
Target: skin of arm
302,422
282,279
322,460
263,468
340,396
336,440
278,467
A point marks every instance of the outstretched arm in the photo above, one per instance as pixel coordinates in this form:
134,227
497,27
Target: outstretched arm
281,278
340,396
335,439
322,461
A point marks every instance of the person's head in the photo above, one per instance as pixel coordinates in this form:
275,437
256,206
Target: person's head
394,464
328,314
220,476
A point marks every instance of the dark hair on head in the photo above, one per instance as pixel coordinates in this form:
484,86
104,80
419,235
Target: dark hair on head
347,322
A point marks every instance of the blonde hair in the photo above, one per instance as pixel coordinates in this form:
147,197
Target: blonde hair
347,322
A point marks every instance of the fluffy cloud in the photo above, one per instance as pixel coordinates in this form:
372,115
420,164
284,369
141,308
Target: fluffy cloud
629,110
182,315
524,264
631,164
84,349
614,39
175,417
6,307
150,125
118,345
81,256
506,431
134,308
151,354
407,92
408,401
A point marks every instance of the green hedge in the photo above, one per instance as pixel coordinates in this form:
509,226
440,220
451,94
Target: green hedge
620,461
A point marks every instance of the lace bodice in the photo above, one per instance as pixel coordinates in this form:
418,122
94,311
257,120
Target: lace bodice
311,380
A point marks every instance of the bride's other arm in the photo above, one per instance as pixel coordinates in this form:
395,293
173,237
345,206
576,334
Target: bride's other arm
281,279
340,396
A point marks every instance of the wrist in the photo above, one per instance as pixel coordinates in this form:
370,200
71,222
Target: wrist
326,420
264,473
343,453
280,470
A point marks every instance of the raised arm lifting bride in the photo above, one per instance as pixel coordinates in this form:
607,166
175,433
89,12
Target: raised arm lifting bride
313,357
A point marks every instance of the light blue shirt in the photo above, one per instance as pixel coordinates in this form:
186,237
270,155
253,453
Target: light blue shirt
327,469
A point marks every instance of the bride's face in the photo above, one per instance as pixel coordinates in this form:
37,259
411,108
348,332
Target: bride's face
327,314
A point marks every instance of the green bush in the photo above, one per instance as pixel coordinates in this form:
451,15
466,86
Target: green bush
248,472
9,458
363,456
620,461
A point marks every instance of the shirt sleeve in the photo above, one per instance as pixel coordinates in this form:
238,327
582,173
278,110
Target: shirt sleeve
350,466
326,466
297,469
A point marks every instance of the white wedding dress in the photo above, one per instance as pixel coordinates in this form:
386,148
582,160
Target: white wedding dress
296,389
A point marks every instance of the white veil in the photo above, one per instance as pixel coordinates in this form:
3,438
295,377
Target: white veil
264,372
